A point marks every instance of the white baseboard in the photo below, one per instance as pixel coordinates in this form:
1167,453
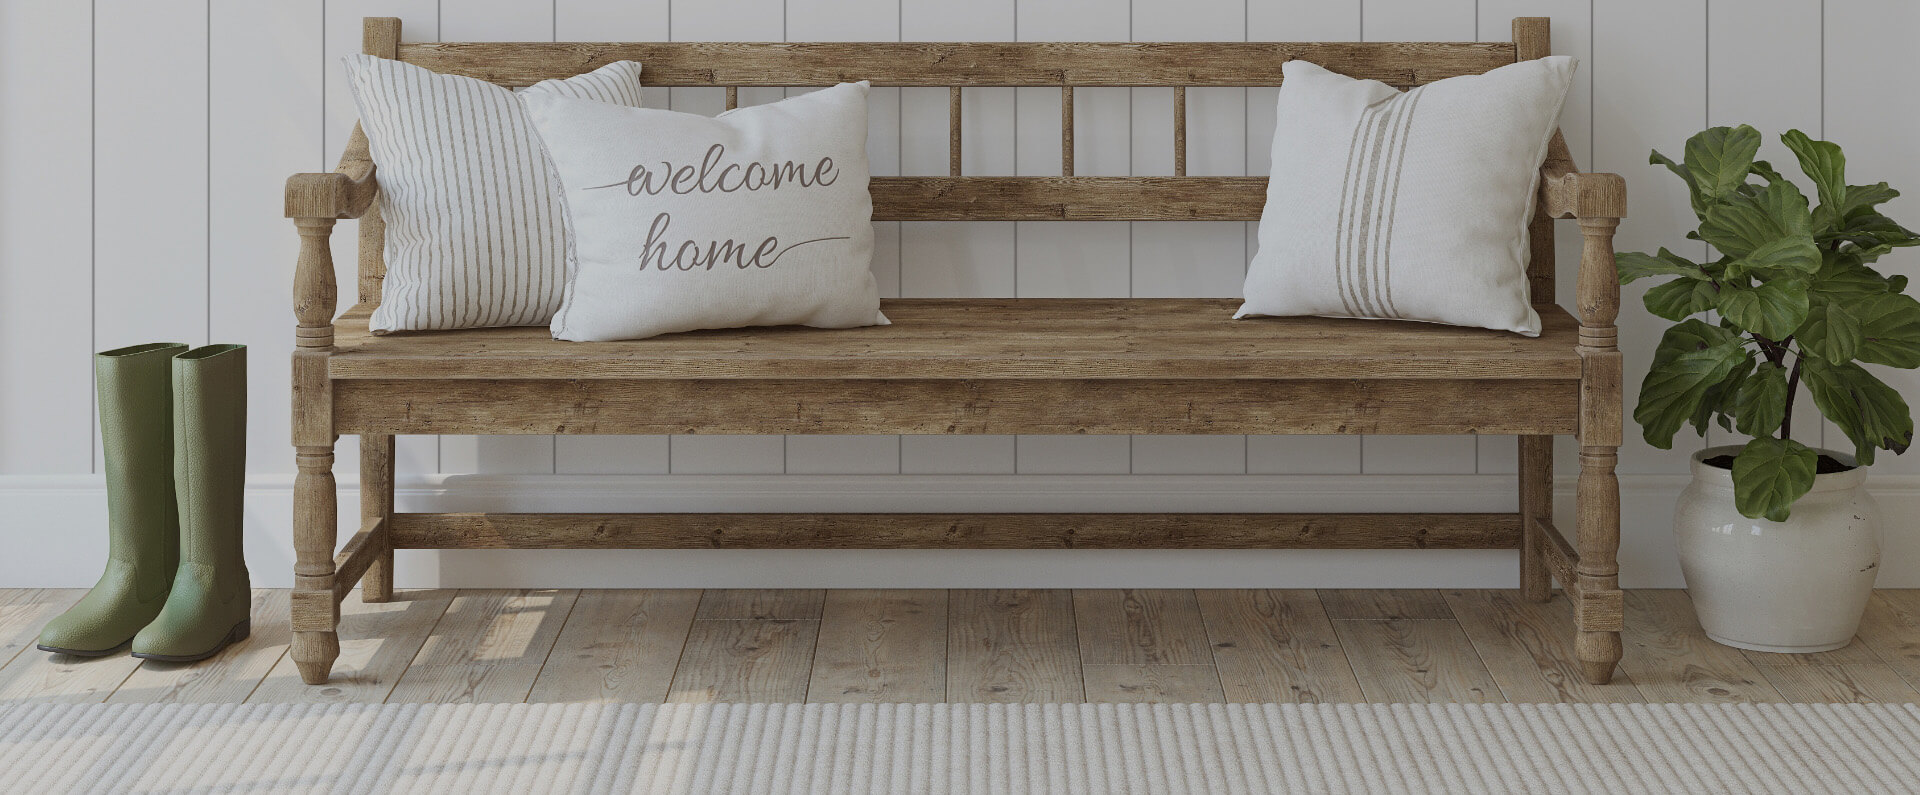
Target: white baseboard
51,527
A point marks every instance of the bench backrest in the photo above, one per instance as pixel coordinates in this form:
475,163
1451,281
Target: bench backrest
958,197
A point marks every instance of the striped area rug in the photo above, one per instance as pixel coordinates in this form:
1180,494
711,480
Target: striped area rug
1092,748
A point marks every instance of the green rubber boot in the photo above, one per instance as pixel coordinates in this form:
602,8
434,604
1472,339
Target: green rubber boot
143,528
211,596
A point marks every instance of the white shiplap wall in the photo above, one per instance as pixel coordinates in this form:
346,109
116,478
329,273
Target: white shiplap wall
143,144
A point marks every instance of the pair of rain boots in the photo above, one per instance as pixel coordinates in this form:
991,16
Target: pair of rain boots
173,426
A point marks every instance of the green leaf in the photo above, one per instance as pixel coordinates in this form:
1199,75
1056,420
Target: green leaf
1764,170
1634,265
1693,356
1783,254
1890,327
1719,398
1873,229
1693,188
1832,332
1681,298
1769,475
1740,226
1870,412
1773,310
1761,402
1865,197
1719,158
1844,276
1825,164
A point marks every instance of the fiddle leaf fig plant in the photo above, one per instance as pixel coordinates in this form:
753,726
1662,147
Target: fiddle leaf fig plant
1791,299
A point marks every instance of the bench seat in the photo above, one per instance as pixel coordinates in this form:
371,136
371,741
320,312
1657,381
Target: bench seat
971,338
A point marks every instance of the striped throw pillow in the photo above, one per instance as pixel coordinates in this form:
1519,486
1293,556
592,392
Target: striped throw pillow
474,223
1406,205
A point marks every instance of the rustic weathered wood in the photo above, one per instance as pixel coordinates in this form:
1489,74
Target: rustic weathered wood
966,366
358,556
1863,683
881,646
948,64
617,646
739,604
1152,684
1067,198
1891,628
1276,646
1415,661
1179,131
379,643
1670,658
487,648
995,339
1526,649
1012,646
376,503
1372,604
952,531
1597,501
1066,131
953,131
1140,627
955,406
766,660
1536,505
24,612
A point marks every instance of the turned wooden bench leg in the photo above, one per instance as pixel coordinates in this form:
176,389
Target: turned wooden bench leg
315,613
376,502
1599,611
1536,502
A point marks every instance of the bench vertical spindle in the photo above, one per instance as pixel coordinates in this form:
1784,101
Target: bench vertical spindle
953,131
1179,131
1066,131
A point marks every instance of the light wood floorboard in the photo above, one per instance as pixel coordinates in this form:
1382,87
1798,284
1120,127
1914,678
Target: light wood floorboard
1170,645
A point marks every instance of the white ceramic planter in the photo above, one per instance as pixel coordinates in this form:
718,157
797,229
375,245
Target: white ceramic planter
1794,586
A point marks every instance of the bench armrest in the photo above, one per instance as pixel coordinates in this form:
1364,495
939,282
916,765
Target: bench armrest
345,192
1565,193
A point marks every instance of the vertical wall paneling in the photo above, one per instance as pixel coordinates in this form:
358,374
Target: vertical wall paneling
629,20
1419,20
1070,259
857,20
150,130
496,20
1769,38
1190,258
967,259
727,20
1869,49
1649,91
419,21
1293,20
46,238
264,70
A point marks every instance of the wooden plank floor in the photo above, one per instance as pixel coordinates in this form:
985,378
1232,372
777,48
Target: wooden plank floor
975,645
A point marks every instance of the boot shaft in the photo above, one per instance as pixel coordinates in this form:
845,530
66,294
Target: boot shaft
134,387
209,453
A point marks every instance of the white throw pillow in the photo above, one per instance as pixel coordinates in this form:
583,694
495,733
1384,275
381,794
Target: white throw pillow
474,231
676,222
1412,205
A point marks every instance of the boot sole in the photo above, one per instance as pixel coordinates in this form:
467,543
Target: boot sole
84,652
237,634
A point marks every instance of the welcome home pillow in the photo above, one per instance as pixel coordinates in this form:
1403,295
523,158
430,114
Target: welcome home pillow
1411,205
474,230
757,217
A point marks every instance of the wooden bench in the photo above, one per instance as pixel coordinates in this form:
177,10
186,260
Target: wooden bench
946,366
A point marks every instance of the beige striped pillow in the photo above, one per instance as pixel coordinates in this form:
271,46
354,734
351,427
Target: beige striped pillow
474,221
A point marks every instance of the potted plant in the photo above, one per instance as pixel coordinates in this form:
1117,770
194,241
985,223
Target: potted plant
1779,541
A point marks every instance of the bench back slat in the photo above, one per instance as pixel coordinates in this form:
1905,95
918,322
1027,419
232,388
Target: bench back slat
957,65
966,64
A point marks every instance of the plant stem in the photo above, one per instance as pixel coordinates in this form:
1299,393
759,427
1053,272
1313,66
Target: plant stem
1793,386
